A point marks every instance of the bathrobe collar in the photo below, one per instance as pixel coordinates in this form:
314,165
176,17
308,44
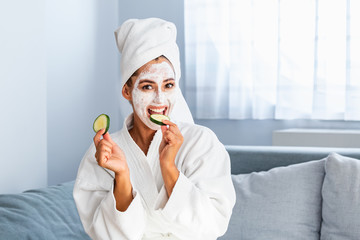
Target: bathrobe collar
154,145
149,181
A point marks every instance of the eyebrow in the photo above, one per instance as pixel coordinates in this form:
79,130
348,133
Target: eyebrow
169,79
146,81
150,81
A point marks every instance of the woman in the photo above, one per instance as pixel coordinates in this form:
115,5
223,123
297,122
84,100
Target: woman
147,181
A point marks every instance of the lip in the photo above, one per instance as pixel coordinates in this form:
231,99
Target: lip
157,110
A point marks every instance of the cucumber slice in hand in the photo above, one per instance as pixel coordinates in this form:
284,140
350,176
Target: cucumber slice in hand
102,121
157,118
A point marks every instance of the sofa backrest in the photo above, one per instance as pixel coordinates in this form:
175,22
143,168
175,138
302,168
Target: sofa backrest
247,159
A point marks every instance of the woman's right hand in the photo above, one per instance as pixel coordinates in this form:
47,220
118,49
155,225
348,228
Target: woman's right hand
109,155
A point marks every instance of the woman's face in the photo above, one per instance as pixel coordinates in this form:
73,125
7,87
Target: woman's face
154,91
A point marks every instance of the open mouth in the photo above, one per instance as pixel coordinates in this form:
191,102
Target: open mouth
157,110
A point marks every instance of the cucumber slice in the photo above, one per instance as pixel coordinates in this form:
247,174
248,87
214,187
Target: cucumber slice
157,118
102,121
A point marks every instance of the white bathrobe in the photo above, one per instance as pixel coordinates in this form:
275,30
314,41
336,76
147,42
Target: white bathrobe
199,207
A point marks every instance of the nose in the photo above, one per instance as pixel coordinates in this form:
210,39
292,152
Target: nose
160,97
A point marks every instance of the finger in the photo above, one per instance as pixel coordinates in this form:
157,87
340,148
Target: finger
172,127
103,157
169,136
104,142
172,140
98,136
163,129
162,144
168,122
108,138
175,130
105,148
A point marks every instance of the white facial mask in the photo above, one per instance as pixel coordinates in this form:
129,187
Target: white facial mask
155,99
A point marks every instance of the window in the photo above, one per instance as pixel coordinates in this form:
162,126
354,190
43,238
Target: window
273,59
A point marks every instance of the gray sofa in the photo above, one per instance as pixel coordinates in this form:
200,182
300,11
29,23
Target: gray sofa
282,193
295,193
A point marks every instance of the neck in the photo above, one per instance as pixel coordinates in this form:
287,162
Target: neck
141,134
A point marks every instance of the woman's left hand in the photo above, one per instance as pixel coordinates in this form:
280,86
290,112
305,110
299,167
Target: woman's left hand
170,144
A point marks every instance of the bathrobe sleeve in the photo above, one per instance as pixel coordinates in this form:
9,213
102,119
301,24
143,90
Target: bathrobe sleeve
203,197
95,201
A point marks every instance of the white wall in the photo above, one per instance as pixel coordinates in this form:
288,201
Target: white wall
83,68
23,145
58,71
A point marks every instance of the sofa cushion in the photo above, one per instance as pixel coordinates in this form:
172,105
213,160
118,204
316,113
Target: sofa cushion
341,198
282,203
47,213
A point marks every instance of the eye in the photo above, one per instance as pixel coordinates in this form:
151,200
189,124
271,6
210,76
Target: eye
147,87
169,85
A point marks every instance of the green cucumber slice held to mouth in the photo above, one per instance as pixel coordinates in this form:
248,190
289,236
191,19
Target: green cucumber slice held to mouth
102,121
157,118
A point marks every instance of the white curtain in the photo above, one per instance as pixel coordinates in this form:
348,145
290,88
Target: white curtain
273,59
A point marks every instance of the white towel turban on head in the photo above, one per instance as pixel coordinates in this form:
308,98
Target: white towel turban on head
142,40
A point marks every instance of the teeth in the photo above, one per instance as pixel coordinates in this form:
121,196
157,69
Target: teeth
158,110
